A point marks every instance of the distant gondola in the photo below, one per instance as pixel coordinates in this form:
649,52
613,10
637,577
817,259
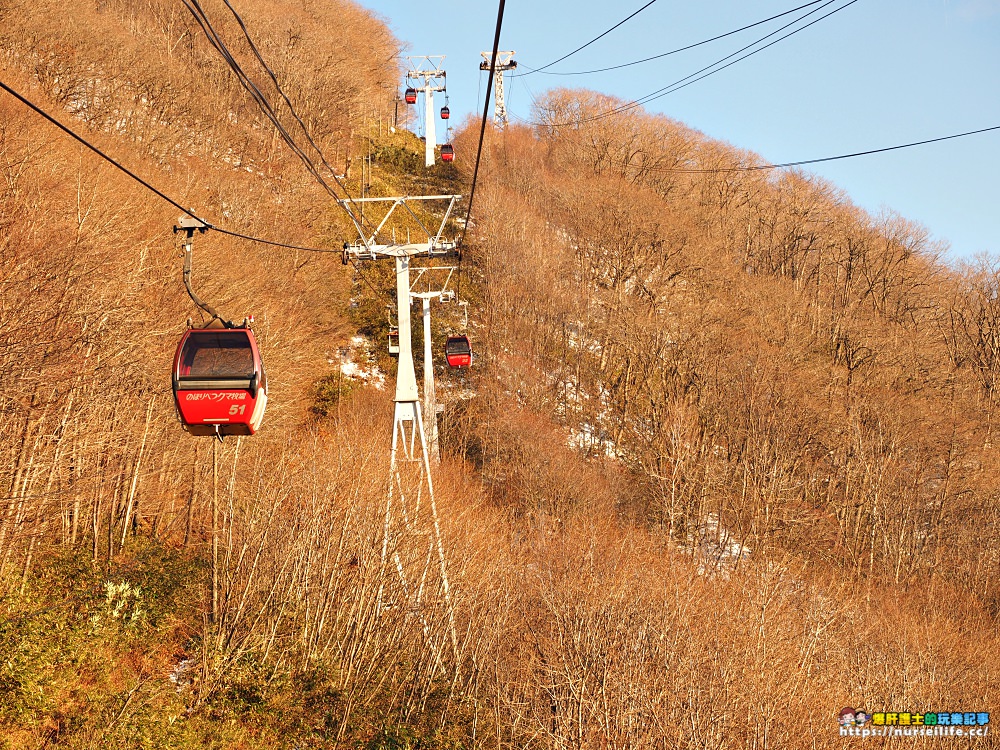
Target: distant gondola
458,351
445,112
393,341
219,383
447,152
410,96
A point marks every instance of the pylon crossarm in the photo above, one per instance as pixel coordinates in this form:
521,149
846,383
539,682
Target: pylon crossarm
368,248
382,252
432,70
419,222
447,214
403,198
429,294
345,204
388,214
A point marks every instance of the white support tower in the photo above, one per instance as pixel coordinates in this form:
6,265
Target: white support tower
409,466
505,62
427,76
442,294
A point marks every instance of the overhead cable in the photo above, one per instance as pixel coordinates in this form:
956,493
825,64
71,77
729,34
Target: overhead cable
695,77
804,162
357,218
291,108
599,36
671,52
482,127
251,88
92,147
675,87
194,6
159,193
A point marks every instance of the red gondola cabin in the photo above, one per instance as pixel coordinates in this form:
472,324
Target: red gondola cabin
410,96
458,351
220,387
447,152
445,113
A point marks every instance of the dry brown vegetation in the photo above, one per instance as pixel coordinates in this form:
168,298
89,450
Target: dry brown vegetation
730,465
749,343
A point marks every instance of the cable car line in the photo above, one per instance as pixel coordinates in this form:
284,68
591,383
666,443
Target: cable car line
584,46
357,216
222,230
482,129
690,79
272,243
218,378
804,162
255,93
274,79
674,87
671,52
265,106
159,193
93,148
479,148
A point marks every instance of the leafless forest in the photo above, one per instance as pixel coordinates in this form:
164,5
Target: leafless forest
724,464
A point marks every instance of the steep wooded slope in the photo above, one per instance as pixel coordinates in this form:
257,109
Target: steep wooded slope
747,344
665,355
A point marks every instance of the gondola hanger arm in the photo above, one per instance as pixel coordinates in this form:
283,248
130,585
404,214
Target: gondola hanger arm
189,225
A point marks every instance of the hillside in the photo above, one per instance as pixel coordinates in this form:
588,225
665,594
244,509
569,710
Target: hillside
749,337
725,462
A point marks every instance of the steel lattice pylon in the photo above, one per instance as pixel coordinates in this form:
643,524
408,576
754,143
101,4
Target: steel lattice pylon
411,538
504,63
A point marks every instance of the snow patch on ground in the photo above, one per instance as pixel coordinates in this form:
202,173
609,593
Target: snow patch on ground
592,440
716,549
357,363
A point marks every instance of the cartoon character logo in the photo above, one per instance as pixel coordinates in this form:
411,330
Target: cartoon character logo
861,717
846,717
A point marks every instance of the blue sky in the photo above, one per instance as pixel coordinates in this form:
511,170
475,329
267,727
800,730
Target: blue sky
875,74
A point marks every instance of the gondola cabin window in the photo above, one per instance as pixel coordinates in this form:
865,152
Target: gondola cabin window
218,355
